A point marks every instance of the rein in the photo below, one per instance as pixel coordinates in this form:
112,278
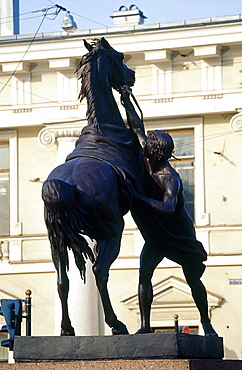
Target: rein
126,93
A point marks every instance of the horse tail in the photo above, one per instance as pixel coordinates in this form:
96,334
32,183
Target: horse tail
65,220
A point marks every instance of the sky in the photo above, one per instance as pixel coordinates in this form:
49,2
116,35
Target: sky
92,14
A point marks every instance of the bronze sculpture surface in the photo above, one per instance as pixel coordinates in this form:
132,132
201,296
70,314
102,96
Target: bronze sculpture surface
90,193
172,217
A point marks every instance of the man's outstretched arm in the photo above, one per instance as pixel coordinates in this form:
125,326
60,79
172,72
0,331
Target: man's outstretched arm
133,119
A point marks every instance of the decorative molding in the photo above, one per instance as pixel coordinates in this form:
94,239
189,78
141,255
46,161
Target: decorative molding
22,110
213,96
16,67
4,251
170,296
48,135
68,107
15,250
62,63
236,123
163,100
158,55
207,51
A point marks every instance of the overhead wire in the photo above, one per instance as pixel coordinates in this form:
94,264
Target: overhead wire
27,92
81,16
31,42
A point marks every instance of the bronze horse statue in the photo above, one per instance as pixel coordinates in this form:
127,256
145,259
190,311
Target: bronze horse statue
98,184
91,192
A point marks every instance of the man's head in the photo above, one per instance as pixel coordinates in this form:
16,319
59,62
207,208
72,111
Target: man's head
160,144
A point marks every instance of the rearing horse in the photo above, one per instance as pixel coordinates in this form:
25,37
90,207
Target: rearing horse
90,193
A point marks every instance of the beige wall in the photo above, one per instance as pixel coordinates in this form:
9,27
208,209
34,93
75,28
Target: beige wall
43,287
186,75
232,65
35,162
223,174
41,80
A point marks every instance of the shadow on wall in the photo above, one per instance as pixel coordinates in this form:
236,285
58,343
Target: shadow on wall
229,354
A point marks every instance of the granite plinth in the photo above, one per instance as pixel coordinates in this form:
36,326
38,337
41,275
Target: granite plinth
166,345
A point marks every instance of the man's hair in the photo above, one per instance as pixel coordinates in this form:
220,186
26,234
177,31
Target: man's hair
161,144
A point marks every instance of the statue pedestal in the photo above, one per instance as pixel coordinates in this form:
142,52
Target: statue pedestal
160,351
164,345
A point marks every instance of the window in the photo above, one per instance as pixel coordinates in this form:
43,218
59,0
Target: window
188,136
4,188
192,329
9,224
184,151
3,350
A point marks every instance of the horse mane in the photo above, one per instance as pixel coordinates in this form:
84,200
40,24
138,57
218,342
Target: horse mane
85,67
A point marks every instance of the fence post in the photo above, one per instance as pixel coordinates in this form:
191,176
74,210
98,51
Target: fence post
28,311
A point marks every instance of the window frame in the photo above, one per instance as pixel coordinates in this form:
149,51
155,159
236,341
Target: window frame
6,171
201,218
182,159
14,224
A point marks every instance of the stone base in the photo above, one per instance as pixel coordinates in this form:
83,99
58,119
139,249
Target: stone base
144,346
155,364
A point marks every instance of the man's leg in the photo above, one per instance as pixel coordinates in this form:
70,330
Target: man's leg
200,297
149,259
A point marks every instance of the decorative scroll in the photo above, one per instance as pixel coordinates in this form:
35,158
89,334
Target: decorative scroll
236,123
48,135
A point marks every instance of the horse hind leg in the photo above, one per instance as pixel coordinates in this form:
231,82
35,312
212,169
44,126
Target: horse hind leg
63,290
58,250
108,252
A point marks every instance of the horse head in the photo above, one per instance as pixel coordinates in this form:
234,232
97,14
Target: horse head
109,60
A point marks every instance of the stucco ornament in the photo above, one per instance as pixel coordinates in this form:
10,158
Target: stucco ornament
48,135
236,123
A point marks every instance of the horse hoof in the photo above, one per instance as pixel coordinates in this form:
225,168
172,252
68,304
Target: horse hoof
209,330
68,333
144,331
121,331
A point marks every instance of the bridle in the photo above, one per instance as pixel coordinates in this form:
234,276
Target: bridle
125,94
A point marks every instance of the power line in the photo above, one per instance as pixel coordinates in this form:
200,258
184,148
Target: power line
28,92
91,20
45,10
10,77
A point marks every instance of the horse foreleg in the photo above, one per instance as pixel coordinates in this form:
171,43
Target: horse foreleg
107,254
63,290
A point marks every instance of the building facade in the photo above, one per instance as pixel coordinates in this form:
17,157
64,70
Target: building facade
188,83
